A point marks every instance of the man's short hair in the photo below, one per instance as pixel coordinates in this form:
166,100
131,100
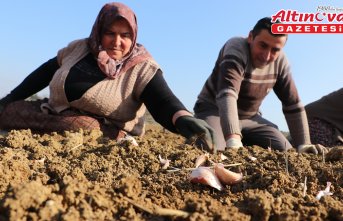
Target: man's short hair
265,23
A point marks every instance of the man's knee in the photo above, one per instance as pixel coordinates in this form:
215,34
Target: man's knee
273,139
281,144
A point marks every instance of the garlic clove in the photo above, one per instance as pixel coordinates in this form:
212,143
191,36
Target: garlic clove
252,158
129,139
201,159
226,176
205,175
223,157
164,162
325,192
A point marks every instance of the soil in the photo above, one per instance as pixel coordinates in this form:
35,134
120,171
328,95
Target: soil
84,176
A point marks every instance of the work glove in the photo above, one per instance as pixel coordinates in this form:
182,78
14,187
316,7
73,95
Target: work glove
312,148
196,131
233,143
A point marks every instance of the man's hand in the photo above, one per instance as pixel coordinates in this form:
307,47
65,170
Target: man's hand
312,148
196,130
234,143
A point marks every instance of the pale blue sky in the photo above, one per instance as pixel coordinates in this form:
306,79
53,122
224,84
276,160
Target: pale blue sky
183,36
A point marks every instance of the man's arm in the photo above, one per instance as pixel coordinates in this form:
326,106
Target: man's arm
294,112
230,76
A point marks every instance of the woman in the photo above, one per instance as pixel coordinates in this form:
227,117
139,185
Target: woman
101,82
325,117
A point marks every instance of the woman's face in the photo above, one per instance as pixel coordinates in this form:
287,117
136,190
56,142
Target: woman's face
117,39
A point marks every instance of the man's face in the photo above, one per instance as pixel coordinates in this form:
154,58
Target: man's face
265,48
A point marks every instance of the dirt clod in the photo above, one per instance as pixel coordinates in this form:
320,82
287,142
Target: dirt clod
83,176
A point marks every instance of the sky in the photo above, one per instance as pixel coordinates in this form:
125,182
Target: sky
184,37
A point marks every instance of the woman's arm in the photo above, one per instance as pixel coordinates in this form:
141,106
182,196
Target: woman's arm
168,110
34,82
161,101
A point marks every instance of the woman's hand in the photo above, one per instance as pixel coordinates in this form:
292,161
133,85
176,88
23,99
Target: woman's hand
196,131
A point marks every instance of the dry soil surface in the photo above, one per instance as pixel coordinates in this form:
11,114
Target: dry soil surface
83,176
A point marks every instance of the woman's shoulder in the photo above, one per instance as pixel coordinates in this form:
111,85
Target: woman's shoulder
79,45
147,63
143,70
76,44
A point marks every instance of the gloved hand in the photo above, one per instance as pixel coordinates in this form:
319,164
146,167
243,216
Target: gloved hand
311,148
196,130
234,143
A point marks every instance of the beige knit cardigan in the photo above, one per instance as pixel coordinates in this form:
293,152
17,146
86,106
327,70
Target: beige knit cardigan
117,100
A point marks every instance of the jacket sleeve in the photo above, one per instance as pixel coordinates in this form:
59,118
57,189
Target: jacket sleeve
292,107
34,82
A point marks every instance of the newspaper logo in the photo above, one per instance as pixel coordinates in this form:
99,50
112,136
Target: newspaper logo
326,20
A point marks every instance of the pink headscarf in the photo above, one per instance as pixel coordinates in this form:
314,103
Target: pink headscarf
107,15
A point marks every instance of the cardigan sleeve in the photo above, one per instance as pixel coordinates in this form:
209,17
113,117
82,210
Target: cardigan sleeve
161,101
34,82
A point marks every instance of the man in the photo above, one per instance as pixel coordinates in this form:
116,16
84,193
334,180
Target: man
246,70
